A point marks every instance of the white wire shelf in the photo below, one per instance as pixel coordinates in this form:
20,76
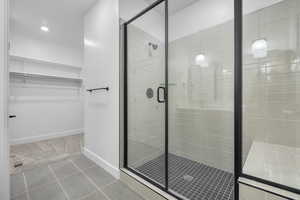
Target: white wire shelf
39,75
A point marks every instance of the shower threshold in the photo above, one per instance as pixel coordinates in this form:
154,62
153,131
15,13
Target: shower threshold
190,179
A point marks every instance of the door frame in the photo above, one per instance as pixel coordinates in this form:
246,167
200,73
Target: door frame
4,77
165,187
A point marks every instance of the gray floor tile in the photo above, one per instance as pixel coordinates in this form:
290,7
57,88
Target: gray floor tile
100,176
39,176
77,186
45,146
119,191
17,185
22,197
82,162
64,169
58,144
45,151
47,192
20,149
73,143
96,196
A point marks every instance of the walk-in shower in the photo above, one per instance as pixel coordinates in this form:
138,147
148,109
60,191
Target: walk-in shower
196,116
183,138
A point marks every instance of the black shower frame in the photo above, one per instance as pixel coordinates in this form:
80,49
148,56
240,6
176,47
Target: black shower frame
238,102
165,187
238,106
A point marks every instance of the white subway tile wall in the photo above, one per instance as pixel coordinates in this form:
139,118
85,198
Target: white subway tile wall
146,115
201,98
271,93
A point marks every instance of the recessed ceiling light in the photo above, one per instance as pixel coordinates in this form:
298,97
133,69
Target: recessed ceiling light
45,28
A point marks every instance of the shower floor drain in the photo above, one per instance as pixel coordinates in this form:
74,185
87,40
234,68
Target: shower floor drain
188,178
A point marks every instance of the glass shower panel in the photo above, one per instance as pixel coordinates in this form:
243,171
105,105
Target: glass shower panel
271,91
201,98
145,93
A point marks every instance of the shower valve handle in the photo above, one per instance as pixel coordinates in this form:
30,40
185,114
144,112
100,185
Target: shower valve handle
158,95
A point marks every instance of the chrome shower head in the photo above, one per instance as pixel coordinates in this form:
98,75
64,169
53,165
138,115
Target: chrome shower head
154,46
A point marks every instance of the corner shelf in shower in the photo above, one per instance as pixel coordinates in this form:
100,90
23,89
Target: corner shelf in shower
274,162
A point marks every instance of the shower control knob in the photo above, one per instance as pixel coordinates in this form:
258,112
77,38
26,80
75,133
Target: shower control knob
12,116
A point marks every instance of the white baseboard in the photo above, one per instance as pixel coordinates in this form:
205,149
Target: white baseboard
102,163
45,137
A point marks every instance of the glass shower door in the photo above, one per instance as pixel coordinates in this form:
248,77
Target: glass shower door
201,100
145,94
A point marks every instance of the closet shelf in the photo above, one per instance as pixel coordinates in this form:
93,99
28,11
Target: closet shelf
37,75
44,98
37,61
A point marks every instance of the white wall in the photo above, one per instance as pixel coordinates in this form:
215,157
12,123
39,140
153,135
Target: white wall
4,173
45,109
195,17
47,50
152,22
101,69
189,20
271,97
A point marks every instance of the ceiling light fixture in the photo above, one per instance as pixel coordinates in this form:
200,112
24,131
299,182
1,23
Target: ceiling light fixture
200,60
90,43
260,48
45,28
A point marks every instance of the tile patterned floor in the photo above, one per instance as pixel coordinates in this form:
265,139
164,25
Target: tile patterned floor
73,178
191,179
33,154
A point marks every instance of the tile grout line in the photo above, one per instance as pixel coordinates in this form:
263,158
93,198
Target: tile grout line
95,166
65,145
58,182
88,195
91,181
108,184
26,186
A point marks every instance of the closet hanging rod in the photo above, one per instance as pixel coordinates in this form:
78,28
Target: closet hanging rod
94,89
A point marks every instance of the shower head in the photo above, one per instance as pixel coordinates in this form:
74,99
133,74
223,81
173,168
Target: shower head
154,46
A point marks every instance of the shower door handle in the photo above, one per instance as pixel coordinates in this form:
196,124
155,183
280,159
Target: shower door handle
158,95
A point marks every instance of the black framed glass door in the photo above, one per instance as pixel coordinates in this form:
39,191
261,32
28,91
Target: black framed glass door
146,99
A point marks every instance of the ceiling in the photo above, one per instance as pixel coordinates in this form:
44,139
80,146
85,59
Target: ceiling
174,5
63,17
